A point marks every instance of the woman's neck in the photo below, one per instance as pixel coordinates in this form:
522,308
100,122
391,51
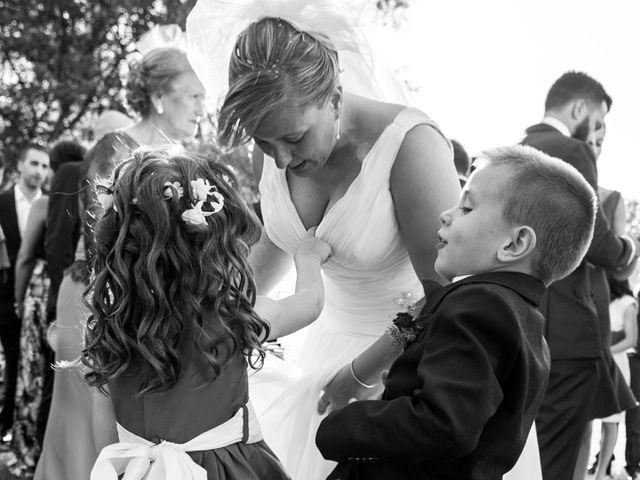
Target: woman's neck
152,130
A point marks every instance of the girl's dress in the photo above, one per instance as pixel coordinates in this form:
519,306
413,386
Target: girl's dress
194,406
367,279
616,312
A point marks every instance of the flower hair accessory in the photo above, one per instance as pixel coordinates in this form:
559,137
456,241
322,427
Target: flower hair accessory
201,190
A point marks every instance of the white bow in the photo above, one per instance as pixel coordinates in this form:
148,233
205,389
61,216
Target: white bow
138,458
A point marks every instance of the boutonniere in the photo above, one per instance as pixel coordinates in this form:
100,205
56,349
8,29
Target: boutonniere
404,328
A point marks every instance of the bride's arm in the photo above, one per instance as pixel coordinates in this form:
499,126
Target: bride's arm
424,183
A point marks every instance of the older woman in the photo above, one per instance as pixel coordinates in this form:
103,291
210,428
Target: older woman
163,89
372,176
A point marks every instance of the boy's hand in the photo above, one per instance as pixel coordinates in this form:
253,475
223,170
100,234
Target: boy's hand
312,246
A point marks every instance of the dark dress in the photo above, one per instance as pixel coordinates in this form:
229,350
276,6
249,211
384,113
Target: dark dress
196,404
613,395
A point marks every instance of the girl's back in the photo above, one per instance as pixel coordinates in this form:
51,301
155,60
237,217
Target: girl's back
172,325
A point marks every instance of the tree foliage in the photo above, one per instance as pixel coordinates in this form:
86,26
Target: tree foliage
61,64
61,60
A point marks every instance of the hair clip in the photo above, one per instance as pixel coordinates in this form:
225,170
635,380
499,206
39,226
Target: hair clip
201,190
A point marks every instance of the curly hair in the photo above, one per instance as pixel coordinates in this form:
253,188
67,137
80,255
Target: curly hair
157,278
154,74
276,63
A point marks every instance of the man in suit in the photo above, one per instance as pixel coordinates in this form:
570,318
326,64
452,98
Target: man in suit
15,204
575,107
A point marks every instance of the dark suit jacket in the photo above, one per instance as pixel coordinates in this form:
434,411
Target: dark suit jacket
9,224
572,328
460,401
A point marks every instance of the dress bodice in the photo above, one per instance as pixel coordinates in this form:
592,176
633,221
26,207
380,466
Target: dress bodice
170,415
369,268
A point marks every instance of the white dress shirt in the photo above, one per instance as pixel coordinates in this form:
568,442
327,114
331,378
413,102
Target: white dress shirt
558,125
23,206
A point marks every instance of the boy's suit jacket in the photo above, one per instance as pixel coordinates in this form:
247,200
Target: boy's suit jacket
460,401
572,328
9,224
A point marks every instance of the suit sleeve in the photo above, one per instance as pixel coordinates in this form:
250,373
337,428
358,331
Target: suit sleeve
460,391
607,250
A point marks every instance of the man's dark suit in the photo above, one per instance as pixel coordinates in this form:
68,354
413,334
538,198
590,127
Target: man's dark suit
460,401
572,328
9,322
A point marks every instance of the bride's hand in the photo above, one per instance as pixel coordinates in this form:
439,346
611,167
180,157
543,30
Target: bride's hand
342,389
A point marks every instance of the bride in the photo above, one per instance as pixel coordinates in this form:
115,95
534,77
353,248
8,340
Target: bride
372,176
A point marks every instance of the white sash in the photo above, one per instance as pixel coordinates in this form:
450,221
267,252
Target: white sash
139,458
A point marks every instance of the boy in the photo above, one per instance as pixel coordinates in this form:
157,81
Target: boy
461,399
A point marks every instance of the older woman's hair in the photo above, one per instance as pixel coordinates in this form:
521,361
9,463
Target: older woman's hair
273,63
154,74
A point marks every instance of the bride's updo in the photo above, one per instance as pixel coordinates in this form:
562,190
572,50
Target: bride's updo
154,74
273,63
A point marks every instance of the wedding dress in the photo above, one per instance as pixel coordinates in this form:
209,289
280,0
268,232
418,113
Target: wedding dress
367,279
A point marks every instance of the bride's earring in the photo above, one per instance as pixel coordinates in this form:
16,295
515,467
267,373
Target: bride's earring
159,109
338,127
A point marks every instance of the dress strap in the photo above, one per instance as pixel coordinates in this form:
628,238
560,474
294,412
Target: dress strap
409,118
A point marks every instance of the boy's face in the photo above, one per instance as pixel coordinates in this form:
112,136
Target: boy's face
473,231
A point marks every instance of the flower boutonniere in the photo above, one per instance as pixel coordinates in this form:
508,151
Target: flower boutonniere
404,328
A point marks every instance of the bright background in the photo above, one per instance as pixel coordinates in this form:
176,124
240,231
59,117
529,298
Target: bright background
483,69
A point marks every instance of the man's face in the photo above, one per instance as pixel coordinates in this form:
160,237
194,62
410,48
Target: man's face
34,168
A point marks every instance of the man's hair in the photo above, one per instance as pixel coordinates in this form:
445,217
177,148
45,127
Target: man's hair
552,198
30,146
574,85
65,151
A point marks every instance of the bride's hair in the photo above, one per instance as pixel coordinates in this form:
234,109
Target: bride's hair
273,63
162,275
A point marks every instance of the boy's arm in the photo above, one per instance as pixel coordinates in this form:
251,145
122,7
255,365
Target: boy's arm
459,391
292,313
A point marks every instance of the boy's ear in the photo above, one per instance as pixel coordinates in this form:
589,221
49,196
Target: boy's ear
521,245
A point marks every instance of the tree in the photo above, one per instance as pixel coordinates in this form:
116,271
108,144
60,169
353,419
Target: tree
61,60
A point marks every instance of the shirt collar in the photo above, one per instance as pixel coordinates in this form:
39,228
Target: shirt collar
528,287
20,196
558,125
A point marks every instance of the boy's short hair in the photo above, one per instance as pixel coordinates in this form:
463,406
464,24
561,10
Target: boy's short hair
552,198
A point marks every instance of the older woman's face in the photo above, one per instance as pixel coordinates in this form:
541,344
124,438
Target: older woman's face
183,104
595,141
299,139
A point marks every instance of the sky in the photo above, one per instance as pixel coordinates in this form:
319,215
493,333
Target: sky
483,69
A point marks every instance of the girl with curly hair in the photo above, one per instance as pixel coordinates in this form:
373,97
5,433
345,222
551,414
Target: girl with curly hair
173,322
